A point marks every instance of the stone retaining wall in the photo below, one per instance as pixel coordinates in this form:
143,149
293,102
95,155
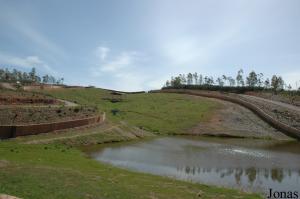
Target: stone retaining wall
284,128
9,131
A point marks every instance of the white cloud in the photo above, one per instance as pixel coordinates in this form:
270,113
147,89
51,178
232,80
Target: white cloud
193,51
23,25
129,81
119,71
157,82
26,62
292,78
182,51
40,40
101,52
125,60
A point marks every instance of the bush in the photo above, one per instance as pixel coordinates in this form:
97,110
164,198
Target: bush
231,89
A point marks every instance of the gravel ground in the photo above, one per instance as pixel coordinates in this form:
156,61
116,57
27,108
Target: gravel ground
287,114
285,105
287,99
233,120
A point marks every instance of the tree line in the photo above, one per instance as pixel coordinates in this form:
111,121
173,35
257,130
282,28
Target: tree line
15,75
253,81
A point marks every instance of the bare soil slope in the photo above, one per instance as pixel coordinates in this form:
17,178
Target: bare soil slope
233,120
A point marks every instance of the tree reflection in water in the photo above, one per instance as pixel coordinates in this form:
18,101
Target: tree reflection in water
247,165
252,174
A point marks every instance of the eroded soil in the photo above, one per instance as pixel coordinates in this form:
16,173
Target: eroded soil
44,114
232,120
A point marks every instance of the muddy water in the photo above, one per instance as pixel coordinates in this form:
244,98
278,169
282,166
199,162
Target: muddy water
251,165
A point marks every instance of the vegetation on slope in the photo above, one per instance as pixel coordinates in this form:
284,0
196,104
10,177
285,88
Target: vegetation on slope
44,114
158,113
253,82
27,78
55,169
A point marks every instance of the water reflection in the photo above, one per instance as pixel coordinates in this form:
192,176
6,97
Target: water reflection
251,173
247,165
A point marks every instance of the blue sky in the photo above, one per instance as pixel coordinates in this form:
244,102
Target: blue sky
138,44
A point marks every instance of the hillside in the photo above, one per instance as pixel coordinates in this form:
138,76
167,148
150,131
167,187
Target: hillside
35,166
158,113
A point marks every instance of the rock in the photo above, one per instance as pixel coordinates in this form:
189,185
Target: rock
200,193
4,196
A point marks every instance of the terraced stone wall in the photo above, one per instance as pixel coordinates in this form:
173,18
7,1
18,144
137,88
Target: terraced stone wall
7,131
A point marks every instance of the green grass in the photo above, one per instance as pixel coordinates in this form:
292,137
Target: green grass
58,170
104,133
156,112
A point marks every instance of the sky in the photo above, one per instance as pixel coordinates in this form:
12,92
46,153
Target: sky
136,45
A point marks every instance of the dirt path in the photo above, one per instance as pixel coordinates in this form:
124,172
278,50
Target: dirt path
103,128
4,196
285,120
232,120
65,102
121,129
282,104
285,113
7,86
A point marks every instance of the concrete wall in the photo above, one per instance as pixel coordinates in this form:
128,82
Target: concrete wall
7,131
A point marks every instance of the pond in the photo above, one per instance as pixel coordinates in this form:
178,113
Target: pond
246,164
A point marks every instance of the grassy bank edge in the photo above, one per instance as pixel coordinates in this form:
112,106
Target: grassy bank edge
57,167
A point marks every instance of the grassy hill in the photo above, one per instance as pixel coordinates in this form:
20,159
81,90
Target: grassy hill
159,113
58,170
